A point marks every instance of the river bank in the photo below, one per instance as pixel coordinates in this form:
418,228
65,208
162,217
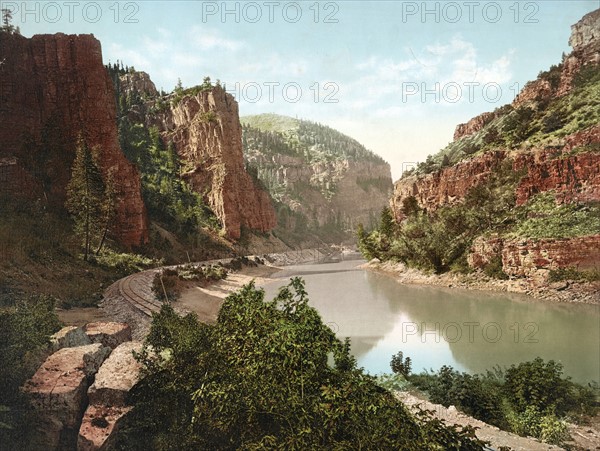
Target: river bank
566,291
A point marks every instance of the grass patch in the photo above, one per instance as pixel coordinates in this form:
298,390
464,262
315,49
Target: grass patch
541,217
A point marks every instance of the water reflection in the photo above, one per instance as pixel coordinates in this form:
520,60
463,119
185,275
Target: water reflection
469,330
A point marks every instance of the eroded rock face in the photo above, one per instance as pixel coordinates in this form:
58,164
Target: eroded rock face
574,177
359,189
447,186
586,32
110,334
534,258
52,89
484,250
139,82
473,125
58,390
99,427
206,132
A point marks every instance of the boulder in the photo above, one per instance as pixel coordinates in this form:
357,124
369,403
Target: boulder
110,334
68,337
98,427
107,397
117,376
57,391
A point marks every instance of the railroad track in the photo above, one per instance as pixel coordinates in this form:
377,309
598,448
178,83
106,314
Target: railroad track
134,289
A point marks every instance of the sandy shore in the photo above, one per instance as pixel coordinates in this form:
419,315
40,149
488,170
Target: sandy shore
206,301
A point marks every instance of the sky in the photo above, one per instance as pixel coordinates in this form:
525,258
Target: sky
398,76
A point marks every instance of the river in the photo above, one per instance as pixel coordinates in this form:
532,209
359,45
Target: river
469,330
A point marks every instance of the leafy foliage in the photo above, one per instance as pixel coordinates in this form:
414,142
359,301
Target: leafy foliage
531,398
260,378
438,241
401,365
25,329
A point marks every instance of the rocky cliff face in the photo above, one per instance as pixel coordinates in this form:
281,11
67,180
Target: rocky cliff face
585,41
52,89
566,164
574,177
347,191
447,186
206,132
323,181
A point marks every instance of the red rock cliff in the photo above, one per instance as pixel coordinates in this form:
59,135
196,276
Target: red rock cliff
53,88
205,129
447,186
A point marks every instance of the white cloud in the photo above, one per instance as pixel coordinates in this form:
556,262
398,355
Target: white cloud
208,39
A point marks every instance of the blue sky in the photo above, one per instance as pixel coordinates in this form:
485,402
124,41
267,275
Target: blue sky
397,76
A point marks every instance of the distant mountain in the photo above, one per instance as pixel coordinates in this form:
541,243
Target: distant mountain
321,179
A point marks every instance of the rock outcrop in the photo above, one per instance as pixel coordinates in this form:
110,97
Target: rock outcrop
585,41
574,177
346,191
108,333
68,337
138,82
84,377
108,398
54,88
447,186
58,392
534,259
206,132
473,125
569,166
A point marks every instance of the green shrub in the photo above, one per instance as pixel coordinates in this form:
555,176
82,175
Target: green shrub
25,330
476,395
494,268
124,263
400,365
541,217
570,273
166,281
546,427
537,384
260,379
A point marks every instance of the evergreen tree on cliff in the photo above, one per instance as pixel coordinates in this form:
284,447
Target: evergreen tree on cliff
7,26
85,196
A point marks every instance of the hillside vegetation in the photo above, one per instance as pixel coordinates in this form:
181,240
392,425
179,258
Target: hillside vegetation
303,165
439,239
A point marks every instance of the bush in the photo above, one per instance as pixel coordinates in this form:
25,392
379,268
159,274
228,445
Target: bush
25,330
259,379
546,427
166,281
494,269
537,384
570,273
400,365
476,395
124,263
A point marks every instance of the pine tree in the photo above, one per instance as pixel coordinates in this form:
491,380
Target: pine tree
6,19
85,193
108,208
